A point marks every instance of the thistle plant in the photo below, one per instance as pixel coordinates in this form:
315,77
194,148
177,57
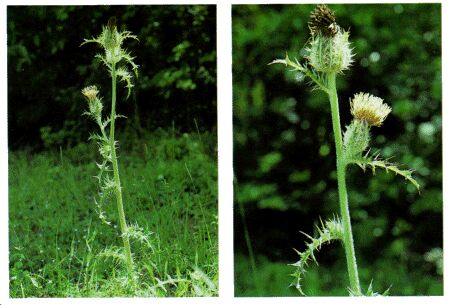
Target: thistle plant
116,59
328,54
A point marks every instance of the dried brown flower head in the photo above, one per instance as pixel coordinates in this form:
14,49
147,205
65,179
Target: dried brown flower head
323,22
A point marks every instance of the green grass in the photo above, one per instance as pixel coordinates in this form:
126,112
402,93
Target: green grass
272,278
60,248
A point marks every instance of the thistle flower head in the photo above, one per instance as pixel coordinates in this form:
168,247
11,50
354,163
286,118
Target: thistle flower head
330,54
329,50
369,109
322,21
95,103
90,93
111,41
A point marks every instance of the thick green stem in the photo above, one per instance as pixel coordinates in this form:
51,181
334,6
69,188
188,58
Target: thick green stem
118,188
343,198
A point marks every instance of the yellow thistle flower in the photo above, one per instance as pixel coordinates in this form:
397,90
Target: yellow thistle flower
95,103
90,93
369,109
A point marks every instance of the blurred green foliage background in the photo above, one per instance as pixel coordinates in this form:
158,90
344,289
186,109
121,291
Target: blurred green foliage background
47,68
285,161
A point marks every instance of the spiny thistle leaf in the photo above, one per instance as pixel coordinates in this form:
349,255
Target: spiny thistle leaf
139,234
103,60
108,185
125,76
95,137
328,231
370,292
318,80
296,66
114,253
108,120
375,162
130,59
101,213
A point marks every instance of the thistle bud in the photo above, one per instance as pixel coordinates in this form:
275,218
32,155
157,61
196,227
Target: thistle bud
356,138
96,107
329,49
369,109
111,41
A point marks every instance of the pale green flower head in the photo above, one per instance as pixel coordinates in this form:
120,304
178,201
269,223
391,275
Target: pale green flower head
329,50
90,93
369,109
111,40
94,101
330,54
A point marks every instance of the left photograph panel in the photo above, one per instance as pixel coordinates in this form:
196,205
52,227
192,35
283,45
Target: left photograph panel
112,139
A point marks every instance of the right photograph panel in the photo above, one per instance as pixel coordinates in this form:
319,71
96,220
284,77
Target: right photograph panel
337,115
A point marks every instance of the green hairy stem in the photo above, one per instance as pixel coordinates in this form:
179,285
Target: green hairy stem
118,188
342,188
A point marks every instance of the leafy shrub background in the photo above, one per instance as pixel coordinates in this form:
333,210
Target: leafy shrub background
47,68
283,155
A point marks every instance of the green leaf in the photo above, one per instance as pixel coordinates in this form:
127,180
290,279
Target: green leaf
329,231
274,202
269,161
374,162
34,282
